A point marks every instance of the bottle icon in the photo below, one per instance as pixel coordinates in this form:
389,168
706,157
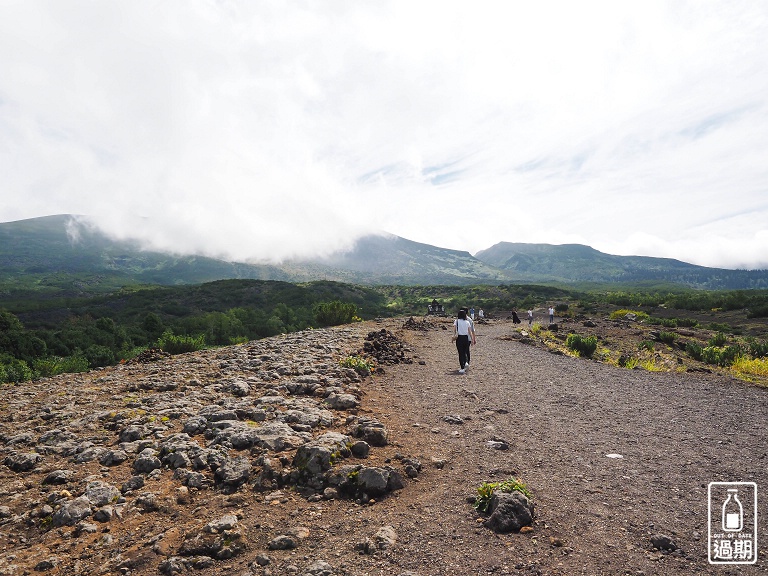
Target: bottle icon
733,513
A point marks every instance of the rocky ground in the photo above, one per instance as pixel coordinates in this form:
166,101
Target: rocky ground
272,458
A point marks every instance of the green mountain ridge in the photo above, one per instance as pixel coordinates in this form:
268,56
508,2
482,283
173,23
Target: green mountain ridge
576,263
60,253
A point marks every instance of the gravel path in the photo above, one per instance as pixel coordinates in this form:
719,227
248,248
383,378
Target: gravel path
562,416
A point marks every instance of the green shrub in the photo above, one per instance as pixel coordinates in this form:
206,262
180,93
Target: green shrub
53,365
694,351
758,312
757,349
646,345
719,327
721,356
584,346
334,313
729,354
173,344
561,308
710,355
14,370
718,339
667,337
666,322
98,355
687,322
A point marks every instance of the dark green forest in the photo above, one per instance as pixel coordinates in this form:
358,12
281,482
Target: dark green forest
44,333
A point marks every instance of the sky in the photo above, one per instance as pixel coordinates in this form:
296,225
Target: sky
263,130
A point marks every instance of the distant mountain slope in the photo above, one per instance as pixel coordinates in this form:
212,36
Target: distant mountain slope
394,260
58,250
576,263
59,245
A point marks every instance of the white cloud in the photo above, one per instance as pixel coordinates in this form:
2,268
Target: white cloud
261,129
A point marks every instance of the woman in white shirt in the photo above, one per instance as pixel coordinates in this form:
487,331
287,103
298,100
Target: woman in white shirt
462,331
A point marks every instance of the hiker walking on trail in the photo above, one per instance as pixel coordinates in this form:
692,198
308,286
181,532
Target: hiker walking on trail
530,317
551,315
464,335
472,335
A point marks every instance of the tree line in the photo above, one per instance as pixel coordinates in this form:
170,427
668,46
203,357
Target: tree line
48,337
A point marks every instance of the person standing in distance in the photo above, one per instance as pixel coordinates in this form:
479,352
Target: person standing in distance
551,314
530,317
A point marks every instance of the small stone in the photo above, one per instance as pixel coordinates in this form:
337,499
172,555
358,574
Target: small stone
438,463
453,419
283,542
385,537
663,543
497,445
104,514
182,495
360,449
47,564
330,493
262,560
510,512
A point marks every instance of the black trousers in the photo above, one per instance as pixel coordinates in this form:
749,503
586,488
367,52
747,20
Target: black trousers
462,345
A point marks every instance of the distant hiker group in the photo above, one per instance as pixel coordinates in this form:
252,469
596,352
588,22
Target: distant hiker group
464,331
435,308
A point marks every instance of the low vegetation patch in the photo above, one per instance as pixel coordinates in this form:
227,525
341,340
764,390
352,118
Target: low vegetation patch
486,490
719,326
651,365
53,365
718,356
718,339
173,344
582,345
622,314
667,337
754,367
360,364
646,345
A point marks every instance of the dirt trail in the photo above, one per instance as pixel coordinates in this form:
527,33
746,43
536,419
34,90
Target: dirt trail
561,417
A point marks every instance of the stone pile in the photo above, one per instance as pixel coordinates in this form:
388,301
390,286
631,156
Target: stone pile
416,325
386,348
149,355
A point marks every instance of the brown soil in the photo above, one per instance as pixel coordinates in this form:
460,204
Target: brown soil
561,416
